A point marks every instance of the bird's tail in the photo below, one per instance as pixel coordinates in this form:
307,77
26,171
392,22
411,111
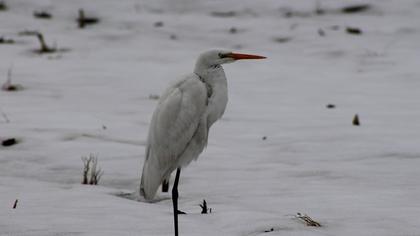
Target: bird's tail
151,178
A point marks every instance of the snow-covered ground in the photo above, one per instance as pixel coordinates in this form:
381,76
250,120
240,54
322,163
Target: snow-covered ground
94,98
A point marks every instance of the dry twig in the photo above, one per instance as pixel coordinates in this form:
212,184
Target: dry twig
43,46
5,117
308,220
8,86
42,15
15,204
84,20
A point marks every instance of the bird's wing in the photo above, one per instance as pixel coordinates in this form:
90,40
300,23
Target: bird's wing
173,125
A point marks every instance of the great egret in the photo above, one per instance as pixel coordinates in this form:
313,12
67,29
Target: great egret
181,121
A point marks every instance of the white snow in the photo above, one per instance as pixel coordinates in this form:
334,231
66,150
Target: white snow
353,180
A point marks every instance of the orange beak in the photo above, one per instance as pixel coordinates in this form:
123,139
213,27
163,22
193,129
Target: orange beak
240,56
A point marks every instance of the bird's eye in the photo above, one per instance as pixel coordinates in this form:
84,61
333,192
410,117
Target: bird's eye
221,55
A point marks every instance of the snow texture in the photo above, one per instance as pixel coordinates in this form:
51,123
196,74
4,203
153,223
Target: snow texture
277,151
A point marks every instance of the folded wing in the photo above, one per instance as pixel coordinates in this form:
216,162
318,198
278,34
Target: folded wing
174,123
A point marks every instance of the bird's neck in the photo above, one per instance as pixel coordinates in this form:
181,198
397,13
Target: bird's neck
211,75
216,84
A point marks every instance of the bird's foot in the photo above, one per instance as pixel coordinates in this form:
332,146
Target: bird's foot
180,212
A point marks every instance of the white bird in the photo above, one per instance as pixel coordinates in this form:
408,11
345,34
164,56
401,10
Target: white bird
180,124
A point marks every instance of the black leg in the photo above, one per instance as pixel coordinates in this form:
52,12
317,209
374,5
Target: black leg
175,199
165,186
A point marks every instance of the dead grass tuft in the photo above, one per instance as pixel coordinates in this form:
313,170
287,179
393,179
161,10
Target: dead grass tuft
91,174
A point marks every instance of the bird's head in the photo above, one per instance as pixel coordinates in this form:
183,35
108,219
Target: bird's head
214,58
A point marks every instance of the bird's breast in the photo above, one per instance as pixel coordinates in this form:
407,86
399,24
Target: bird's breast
217,100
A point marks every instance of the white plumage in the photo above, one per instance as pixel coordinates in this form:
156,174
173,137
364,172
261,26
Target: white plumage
180,124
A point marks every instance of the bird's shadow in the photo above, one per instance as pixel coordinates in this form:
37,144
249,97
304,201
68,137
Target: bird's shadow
134,196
